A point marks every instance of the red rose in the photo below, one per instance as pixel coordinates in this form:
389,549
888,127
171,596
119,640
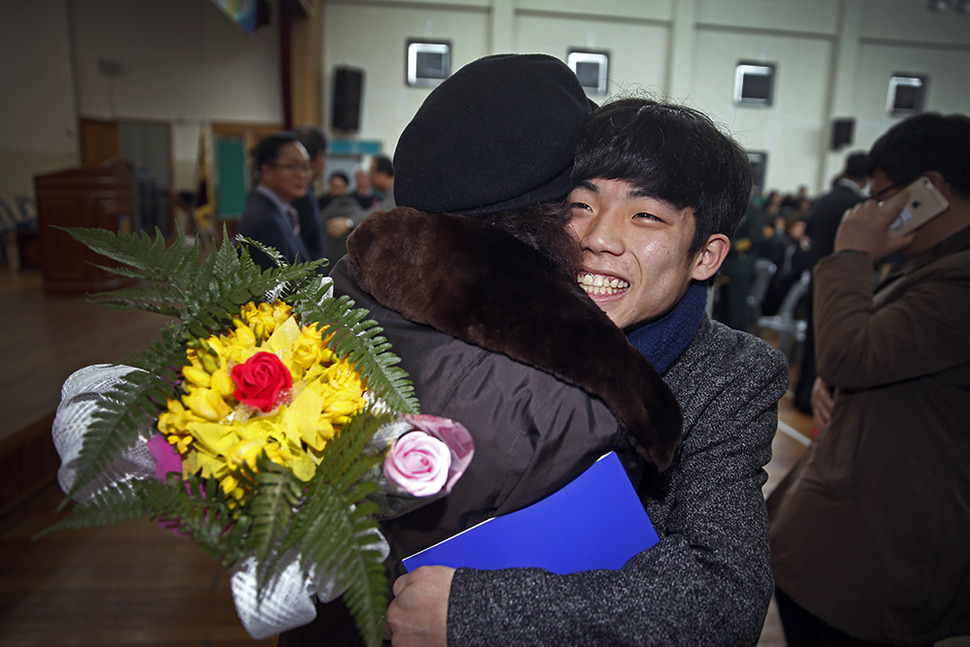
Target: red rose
261,381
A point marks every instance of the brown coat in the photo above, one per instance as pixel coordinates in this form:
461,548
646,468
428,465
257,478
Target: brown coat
871,529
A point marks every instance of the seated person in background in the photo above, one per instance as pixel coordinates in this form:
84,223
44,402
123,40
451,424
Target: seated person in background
797,257
362,189
658,191
870,531
337,185
775,240
342,220
342,214
382,179
474,284
738,268
283,171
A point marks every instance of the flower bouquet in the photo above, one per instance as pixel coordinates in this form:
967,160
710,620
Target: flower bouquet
270,424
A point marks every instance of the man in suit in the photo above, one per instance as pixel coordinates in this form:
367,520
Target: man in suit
847,191
307,206
284,173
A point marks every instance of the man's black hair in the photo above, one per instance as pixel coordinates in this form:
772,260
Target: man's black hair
313,140
382,164
672,153
925,142
341,175
855,166
268,149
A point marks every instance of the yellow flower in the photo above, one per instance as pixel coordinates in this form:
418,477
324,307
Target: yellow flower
175,421
215,435
196,376
207,404
248,450
343,392
222,384
308,349
264,318
244,335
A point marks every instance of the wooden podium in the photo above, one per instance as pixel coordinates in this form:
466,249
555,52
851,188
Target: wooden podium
85,196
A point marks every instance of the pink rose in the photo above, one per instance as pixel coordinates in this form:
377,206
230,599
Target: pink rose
418,463
430,459
261,381
451,433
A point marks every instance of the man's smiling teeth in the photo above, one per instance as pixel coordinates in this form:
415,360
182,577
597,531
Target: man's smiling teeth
599,284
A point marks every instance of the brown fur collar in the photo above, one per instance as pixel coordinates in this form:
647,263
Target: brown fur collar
483,286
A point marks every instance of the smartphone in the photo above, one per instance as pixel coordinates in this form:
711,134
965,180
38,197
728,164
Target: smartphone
925,202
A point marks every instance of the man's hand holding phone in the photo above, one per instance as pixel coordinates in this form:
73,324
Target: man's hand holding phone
866,227
887,227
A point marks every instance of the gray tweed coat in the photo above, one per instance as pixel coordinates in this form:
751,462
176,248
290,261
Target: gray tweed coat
708,581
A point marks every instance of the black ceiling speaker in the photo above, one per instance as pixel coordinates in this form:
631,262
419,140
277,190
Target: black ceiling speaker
348,88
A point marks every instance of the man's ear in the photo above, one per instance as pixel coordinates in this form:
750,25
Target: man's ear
708,260
939,183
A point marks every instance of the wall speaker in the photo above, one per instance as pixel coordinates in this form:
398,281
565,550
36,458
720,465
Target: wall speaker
842,132
348,87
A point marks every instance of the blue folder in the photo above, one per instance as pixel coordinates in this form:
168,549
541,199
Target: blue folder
594,522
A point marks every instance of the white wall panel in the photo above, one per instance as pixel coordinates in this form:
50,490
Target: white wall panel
660,10
814,16
946,88
374,38
792,129
638,51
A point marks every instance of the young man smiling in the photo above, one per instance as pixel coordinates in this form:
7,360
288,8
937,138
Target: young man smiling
658,190
633,243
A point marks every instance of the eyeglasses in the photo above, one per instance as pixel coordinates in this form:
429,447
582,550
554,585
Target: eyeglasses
881,192
306,169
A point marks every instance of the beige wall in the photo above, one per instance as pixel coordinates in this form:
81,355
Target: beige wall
834,60
182,61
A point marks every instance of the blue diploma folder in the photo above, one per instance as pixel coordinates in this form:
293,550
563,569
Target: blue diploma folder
594,522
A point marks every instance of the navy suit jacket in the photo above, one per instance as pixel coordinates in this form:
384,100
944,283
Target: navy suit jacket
826,217
311,225
263,221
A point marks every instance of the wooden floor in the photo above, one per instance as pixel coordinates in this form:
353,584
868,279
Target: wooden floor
132,584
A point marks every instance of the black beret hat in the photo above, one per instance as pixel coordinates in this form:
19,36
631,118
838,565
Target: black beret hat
499,134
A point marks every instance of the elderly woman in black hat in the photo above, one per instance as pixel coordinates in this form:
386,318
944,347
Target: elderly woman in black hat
472,278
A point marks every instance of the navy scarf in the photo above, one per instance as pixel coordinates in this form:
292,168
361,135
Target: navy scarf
663,340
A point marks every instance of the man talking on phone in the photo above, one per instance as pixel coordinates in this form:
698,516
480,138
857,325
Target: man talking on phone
870,532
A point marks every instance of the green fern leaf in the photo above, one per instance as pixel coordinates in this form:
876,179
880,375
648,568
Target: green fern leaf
359,342
196,508
333,528
116,503
271,509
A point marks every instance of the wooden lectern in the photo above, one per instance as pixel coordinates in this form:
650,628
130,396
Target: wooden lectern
85,196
